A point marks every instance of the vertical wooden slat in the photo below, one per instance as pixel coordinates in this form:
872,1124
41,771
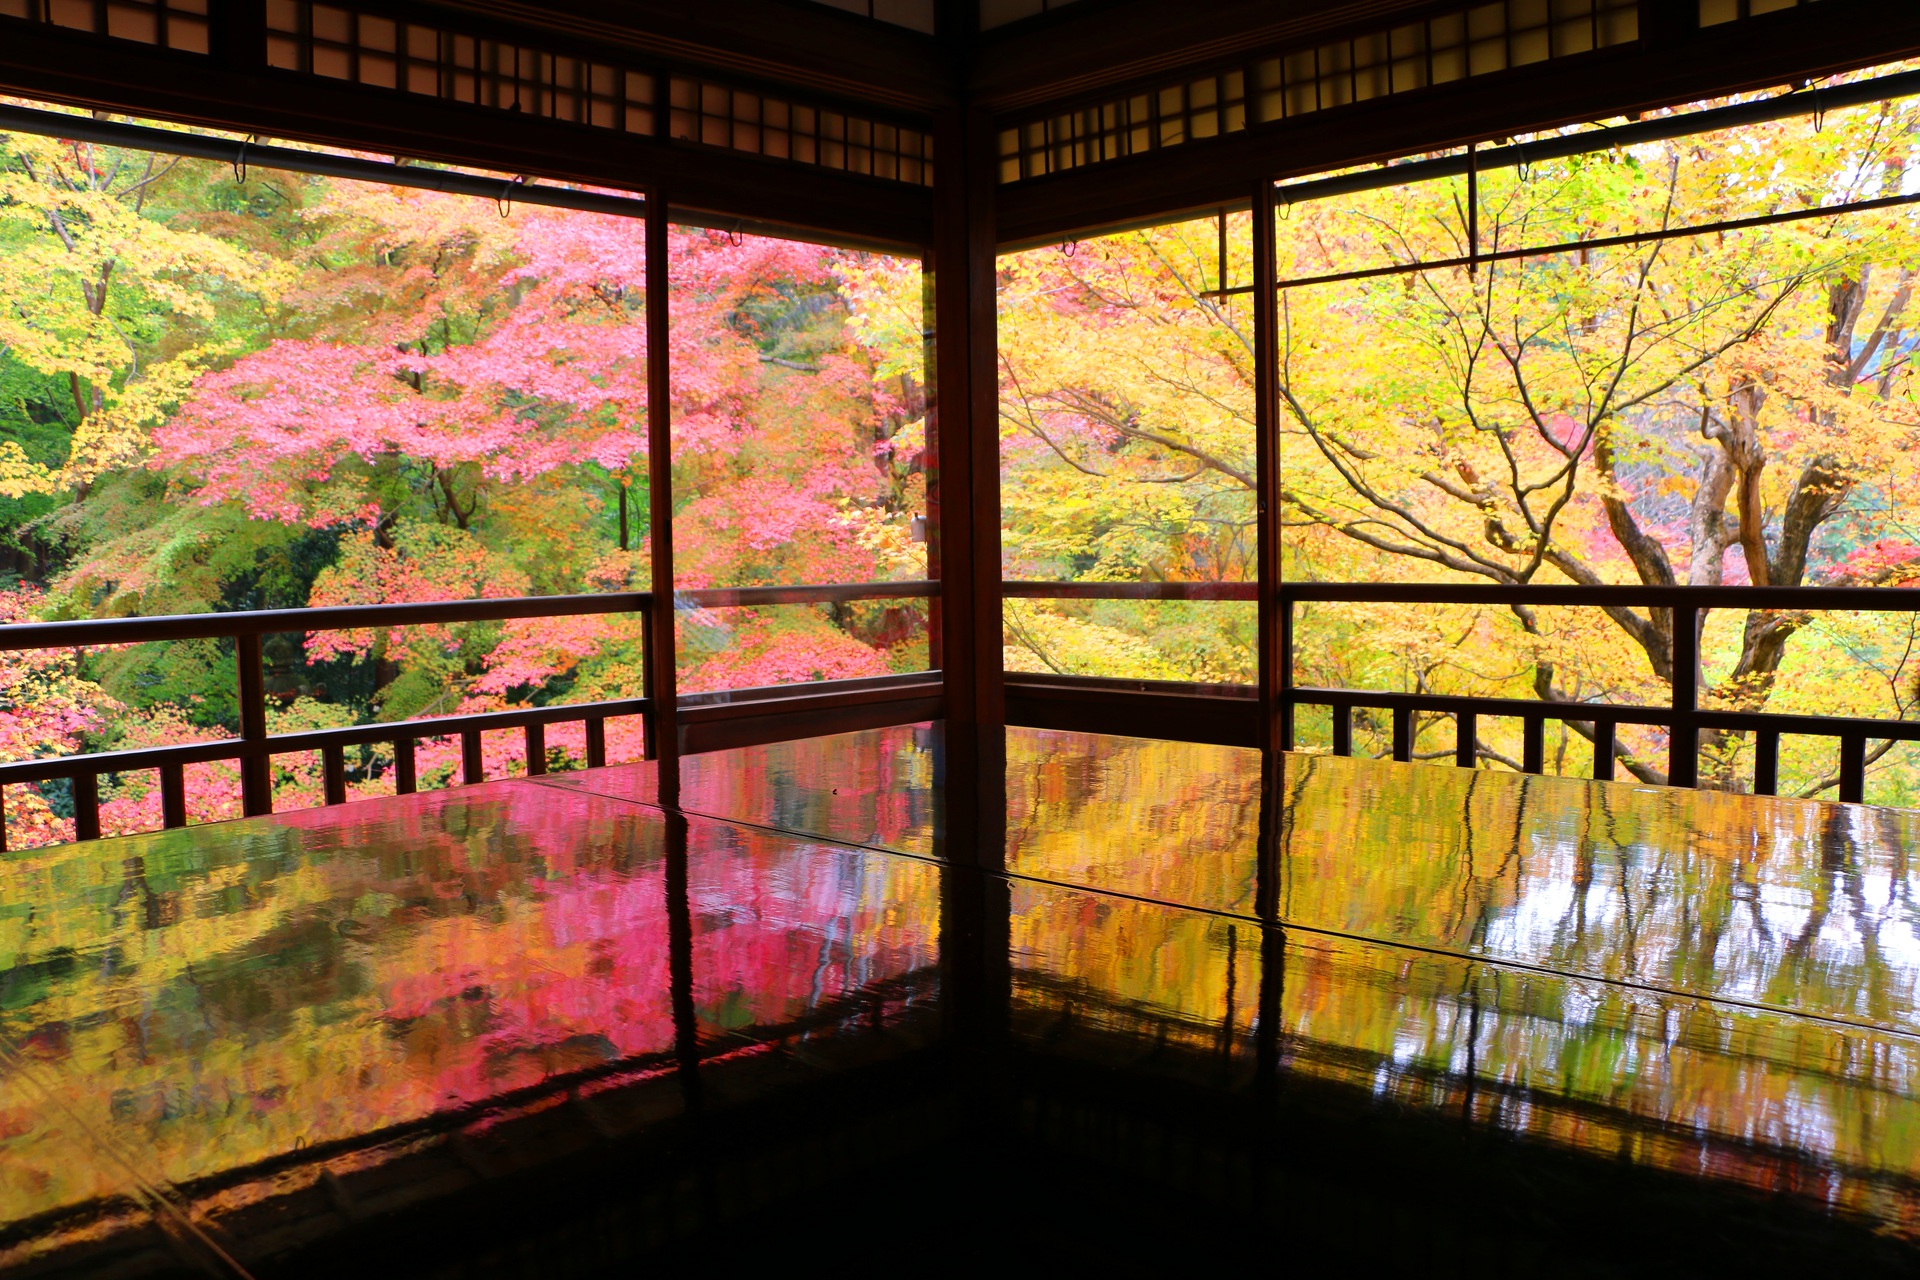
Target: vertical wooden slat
3,819
1603,758
1274,616
256,771
86,806
405,782
333,774
1683,748
473,767
1403,734
173,795
1285,732
1766,762
1342,730
1853,767
1533,744
536,750
1466,746
596,742
664,741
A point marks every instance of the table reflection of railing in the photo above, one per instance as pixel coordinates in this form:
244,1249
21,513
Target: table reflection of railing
1678,612
255,748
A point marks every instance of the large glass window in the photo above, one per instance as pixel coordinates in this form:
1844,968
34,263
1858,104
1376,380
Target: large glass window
799,439
1127,452
230,387
1528,375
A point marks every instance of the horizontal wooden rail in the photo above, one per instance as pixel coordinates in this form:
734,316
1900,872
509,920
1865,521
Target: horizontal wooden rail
84,632
1785,599
748,597
1130,590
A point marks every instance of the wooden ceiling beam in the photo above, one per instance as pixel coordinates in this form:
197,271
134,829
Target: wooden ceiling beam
709,183
1674,67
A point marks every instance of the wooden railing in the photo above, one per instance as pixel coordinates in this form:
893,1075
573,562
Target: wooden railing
1682,717
255,748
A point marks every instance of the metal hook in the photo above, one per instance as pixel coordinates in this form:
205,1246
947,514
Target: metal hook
1520,163
734,236
240,159
1070,248
505,199
1286,202
1819,111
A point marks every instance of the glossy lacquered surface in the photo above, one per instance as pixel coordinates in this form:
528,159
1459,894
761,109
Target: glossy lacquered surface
230,1047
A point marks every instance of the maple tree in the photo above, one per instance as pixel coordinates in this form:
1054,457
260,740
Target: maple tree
1729,407
264,389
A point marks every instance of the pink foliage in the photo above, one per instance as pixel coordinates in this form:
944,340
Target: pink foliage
1885,561
765,656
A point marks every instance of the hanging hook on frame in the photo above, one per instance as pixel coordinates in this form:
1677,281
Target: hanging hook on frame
240,159
505,199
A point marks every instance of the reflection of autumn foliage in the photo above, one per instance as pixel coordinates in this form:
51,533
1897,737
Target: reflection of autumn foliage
249,989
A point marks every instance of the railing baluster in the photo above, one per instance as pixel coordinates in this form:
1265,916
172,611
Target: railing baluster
1533,744
1466,734
86,806
256,771
1342,729
1766,762
596,742
404,782
473,766
173,795
1683,742
3,819
1403,734
1603,739
1853,767
333,773
536,749
1285,690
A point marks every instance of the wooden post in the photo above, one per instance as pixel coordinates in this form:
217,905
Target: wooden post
663,743
473,767
256,771
1766,762
1683,746
1275,618
1603,737
173,795
964,393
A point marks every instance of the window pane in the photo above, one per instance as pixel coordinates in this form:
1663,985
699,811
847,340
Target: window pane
1127,450
799,438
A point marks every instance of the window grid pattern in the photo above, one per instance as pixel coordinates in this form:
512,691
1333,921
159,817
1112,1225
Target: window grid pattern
168,24
342,44
1474,42
1715,12
718,115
